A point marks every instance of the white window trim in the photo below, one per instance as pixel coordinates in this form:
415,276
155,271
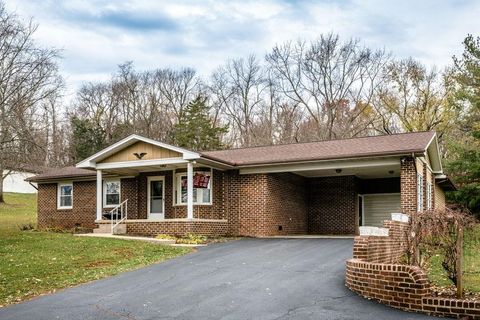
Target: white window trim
420,192
59,186
429,195
177,189
104,193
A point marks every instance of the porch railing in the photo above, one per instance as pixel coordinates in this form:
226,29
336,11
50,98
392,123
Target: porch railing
118,215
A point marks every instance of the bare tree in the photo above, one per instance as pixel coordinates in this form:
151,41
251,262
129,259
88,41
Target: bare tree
333,82
239,88
28,76
413,98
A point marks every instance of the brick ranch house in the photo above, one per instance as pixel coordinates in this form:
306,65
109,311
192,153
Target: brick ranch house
329,187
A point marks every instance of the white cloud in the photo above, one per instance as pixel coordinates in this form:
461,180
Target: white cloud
98,35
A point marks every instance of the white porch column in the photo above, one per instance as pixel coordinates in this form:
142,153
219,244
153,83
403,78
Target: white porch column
190,190
99,195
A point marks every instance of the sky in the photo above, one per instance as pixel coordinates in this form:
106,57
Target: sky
95,36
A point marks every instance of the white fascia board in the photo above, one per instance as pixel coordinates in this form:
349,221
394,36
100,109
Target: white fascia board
215,164
322,165
140,163
434,154
91,161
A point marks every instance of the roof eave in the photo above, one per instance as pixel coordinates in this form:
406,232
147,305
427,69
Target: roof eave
416,152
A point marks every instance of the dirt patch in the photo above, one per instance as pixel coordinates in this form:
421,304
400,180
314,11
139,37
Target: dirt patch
98,264
123,252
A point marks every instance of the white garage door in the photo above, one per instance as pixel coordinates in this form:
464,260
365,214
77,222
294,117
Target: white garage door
378,207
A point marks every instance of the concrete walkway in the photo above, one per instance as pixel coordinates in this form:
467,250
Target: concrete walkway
246,279
116,236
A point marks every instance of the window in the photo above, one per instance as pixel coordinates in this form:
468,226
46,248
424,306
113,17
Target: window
419,193
111,193
65,195
202,186
429,196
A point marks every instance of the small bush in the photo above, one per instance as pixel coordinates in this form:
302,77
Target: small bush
56,230
191,238
165,237
26,226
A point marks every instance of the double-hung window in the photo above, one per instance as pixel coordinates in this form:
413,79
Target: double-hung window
419,193
65,195
202,187
429,196
111,193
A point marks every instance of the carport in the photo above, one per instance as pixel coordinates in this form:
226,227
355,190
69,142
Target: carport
332,197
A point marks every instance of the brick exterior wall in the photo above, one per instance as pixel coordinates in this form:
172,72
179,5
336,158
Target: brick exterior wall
439,198
253,205
408,185
83,211
286,209
332,205
179,228
265,204
214,211
129,190
247,198
375,274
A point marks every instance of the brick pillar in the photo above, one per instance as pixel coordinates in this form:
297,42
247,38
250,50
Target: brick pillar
408,185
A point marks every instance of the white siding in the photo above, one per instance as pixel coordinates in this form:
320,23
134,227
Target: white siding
14,182
378,207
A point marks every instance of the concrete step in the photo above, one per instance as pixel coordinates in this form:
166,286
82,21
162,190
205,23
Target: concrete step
103,228
120,229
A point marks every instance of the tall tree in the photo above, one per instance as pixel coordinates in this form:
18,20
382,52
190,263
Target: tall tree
238,88
196,129
413,98
332,81
28,76
465,159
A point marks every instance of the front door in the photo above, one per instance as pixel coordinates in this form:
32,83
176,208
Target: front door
156,198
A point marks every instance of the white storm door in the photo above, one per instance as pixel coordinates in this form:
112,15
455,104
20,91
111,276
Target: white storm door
156,197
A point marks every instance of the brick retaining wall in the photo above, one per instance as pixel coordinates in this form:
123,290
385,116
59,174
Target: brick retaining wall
374,273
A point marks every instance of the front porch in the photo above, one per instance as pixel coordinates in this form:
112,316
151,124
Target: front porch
147,202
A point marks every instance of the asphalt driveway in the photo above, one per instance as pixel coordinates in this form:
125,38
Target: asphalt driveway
245,279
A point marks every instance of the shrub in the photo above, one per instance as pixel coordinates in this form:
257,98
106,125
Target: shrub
26,226
438,231
165,237
191,238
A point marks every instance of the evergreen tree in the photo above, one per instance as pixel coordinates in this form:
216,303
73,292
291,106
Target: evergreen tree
87,138
465,167
196,130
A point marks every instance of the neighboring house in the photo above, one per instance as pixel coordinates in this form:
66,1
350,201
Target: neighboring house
15,180
326,187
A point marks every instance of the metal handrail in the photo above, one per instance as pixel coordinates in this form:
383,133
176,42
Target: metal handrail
117,217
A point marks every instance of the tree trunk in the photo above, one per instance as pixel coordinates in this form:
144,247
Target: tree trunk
459,262
1,186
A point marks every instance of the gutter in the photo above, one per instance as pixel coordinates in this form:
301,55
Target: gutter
377,155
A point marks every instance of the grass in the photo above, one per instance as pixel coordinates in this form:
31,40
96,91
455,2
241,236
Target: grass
471,276
33,263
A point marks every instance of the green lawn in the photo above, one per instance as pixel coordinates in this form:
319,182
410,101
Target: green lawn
32,262
471,275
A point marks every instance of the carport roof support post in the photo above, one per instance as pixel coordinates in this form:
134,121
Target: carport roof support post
190,190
